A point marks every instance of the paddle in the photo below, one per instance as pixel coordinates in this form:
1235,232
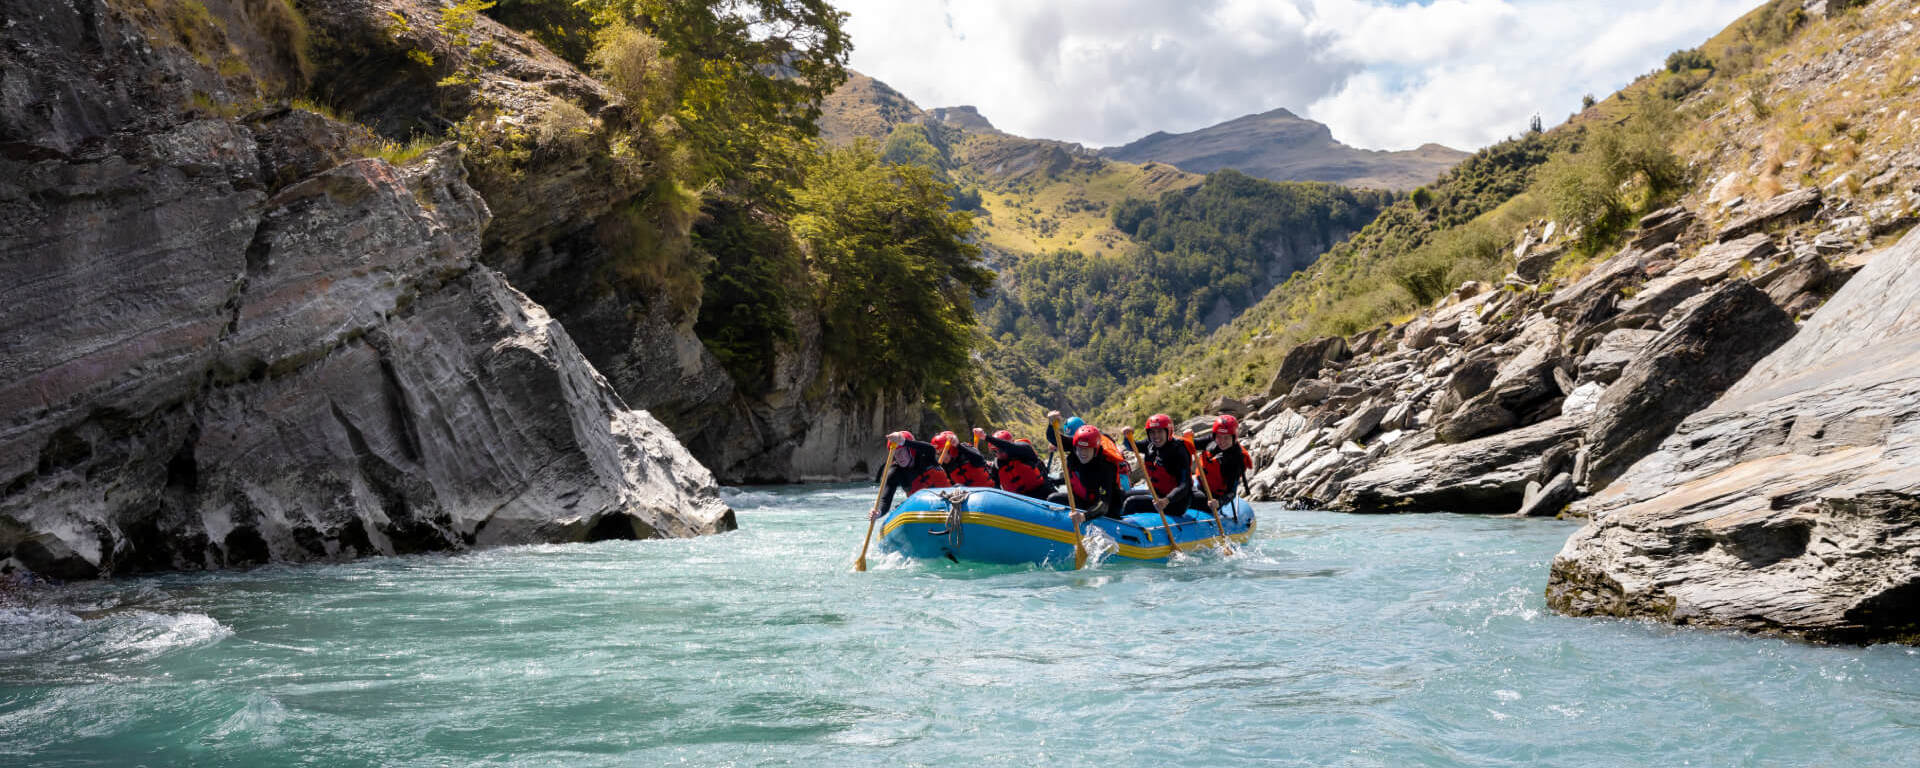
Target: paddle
1079,545
1165,524
860,564
1201,470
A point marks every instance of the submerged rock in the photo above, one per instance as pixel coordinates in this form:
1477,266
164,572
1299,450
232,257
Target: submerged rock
1792,504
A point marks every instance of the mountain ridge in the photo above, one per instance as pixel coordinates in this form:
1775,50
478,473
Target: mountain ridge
1279,145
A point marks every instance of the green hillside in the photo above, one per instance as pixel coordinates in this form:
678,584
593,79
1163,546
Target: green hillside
1634,151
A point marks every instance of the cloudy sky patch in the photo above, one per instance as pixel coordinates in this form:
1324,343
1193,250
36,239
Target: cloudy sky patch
1382,74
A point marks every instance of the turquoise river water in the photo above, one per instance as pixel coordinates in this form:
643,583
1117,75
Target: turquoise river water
1331,640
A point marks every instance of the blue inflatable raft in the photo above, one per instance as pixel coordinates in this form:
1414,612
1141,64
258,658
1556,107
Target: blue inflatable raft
988,525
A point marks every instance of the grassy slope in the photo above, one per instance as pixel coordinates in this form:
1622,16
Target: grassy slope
1350,289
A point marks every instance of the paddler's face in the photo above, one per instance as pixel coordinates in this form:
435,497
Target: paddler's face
1223,439
1158,436
1085,452
902,459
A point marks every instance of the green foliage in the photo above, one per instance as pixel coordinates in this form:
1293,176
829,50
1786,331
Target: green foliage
750,77
754,278
1620,169
1587,102
1408,256
892,270
563,26
1688,60
472,56
1205,253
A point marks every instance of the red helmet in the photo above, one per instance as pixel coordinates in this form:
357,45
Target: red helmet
905,436
1226,423
1024,441
943,440
1003,435
1088,435
1160,421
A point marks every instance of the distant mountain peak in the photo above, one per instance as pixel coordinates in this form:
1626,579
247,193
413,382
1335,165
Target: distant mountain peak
1282,146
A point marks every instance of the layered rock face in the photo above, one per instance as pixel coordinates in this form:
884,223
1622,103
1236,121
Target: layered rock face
1523,398
562,233
1790,504
230,341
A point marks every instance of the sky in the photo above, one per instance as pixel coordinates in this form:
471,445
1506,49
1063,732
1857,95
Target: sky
1383,74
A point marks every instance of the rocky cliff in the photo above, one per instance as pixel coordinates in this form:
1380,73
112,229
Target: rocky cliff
1792,503
232,339
568,231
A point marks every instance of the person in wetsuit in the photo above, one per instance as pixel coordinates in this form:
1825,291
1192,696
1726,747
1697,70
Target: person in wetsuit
1093,473
1017,466
1169,469
916,467
1224,462
964,464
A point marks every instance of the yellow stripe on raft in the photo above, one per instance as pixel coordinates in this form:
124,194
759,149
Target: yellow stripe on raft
1038,531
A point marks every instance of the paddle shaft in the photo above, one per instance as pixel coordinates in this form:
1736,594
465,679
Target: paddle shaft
860,564
1066,473
1225,542
1165,524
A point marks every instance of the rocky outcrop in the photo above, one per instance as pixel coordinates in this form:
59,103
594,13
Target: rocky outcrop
565,232
232,341
1792,503
1524,399
1679,372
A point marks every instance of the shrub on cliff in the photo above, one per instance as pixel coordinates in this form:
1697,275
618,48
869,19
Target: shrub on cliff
892,269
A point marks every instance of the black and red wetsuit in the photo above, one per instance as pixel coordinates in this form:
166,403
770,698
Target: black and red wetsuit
1096,484
1021,470
1223,469
1170,469
924,472
969,468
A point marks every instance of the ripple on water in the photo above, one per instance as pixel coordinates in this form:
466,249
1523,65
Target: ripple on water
1328,640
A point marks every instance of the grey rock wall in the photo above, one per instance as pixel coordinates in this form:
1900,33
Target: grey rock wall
1792,503
229,341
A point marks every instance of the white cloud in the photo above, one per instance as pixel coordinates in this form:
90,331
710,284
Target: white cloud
1382,74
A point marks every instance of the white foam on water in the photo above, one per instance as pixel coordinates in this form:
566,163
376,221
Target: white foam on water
258,720
145,634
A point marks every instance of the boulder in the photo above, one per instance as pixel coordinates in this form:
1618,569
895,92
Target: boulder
1804,275
1550,499
1230,405
1534,266
1679,372
1361,424
1472,377
1483,415
1613,353
1488,475
1304,362
1662,227
1788,208
1308,392
1727,258
1594,298
1792,503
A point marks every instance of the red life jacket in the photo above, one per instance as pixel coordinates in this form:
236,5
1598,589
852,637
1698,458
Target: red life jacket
1216,480
1020,477
934,477
971,475
1163,481
1080,492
